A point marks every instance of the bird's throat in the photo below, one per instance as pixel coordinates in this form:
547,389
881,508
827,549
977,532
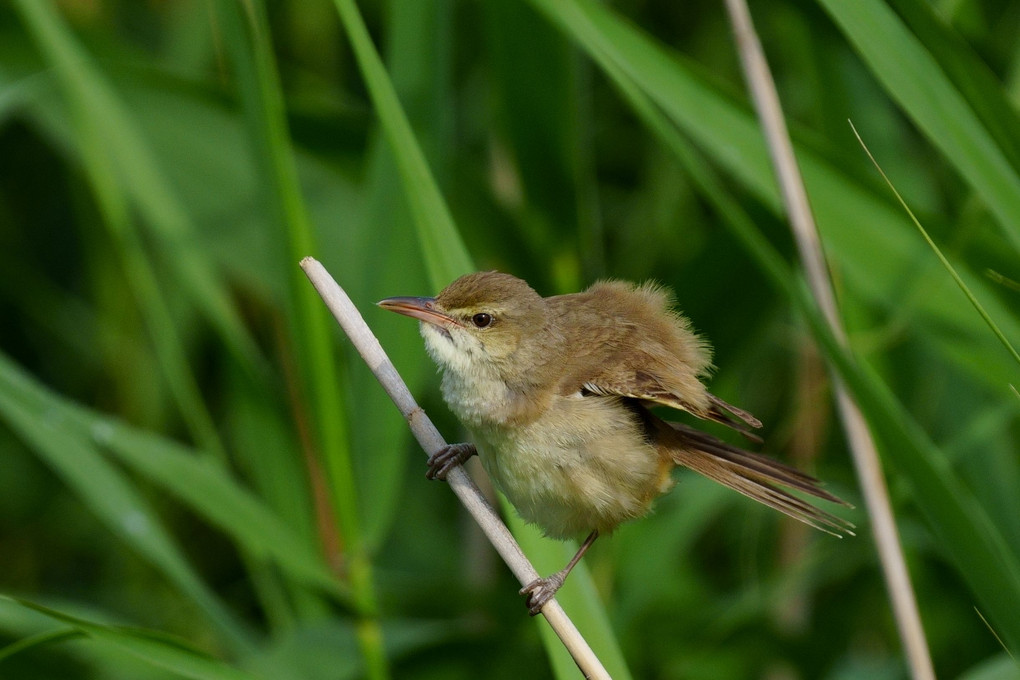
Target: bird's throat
478,398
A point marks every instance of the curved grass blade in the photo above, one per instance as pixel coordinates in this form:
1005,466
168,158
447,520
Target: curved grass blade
374,266
138,178
105,491
47,637
200,483
158,649
247,26
913,78
93,106
445,255
975,81
942,258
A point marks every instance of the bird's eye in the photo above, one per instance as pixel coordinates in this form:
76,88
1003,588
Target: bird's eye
481,320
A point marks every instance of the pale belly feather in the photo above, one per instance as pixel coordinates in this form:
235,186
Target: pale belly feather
583,465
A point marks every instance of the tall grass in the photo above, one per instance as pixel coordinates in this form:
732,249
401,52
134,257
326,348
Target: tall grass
198,479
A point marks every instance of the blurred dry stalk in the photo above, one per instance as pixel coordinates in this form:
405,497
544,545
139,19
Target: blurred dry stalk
809,426
862,446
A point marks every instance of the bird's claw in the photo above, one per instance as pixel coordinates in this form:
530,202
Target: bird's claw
540,591
445,459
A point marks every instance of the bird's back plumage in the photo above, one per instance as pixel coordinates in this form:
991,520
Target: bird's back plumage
641,346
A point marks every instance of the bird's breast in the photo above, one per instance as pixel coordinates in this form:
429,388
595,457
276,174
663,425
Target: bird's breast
582,463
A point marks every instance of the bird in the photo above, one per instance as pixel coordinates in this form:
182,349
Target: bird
557,394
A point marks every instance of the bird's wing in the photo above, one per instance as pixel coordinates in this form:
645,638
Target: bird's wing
646,387
642,351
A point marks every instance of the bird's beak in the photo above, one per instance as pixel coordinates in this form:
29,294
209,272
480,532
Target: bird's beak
421,308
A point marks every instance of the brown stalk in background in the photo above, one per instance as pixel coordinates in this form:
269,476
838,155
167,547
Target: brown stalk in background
862,446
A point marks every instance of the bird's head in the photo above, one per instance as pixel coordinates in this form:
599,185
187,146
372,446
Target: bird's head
481,323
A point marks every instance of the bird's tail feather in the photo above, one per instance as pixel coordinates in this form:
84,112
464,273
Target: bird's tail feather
753,475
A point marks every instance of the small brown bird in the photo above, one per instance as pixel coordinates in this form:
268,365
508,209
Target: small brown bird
556,393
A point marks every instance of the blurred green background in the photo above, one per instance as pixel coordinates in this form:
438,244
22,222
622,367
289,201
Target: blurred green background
198,478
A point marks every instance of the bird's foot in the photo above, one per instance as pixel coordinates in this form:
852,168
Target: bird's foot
541,590
445,459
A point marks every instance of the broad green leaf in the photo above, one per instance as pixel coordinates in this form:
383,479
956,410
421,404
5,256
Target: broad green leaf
157,649
200,483
914,79
444,253
971,76
45,426
139,177
999,667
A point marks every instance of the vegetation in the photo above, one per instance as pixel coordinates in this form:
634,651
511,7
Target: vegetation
199,478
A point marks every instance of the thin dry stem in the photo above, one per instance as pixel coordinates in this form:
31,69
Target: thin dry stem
428,437
862,446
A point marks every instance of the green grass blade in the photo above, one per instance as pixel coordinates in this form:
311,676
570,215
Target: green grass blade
914,79
105,491
445,255
246,28
38,640
93,105
246,31
944,260
972,541
969,74
160,650
138,177
376,265
207,489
